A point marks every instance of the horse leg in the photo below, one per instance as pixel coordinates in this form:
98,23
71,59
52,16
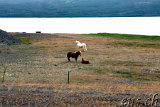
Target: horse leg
76,59
85,48
68,59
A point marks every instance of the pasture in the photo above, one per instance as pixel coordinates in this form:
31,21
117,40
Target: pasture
120,67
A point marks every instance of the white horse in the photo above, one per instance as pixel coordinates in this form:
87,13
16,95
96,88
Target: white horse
81,45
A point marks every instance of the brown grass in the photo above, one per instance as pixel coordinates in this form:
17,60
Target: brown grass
49,66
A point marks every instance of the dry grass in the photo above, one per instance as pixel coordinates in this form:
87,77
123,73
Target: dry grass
106,54
114,64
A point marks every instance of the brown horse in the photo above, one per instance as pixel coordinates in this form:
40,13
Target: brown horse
73,55
85,61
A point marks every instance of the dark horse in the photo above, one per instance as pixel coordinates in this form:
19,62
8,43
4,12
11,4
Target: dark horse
73,55
85,61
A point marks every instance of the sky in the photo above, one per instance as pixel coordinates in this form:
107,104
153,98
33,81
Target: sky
123,25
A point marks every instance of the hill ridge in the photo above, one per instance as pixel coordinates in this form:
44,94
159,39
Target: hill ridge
8,39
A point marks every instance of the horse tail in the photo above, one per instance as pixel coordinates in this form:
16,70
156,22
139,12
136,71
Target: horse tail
66,55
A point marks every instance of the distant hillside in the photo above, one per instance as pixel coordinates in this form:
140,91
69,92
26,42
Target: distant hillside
79,8
6,38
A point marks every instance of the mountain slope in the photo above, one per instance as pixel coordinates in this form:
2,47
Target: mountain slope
79,8
8,38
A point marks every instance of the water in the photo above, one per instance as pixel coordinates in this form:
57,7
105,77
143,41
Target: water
126,25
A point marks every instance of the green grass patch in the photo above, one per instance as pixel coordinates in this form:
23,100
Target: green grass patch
131,75
138,76
25,40
157,71
128,36
123,63
96,70
99,71
125,73
151,45
80,80
30,49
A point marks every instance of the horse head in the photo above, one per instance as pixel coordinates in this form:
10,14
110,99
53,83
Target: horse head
78,53
77,42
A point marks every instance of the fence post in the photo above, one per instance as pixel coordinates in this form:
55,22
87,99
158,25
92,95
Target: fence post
68,77
4,73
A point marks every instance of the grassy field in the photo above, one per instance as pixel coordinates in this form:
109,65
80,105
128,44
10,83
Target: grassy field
128,36
121,66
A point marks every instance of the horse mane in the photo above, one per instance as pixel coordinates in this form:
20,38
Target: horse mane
78,52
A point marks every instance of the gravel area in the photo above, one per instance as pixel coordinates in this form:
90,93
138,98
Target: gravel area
40,35
8,38
47,96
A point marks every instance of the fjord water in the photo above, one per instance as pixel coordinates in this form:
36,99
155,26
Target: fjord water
124,25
